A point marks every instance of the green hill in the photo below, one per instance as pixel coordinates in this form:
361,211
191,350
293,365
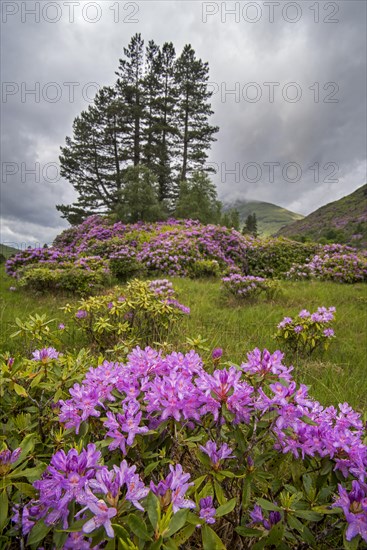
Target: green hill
342,221
270,217
7,251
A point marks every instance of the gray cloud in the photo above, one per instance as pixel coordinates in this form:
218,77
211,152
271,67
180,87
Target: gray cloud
321,136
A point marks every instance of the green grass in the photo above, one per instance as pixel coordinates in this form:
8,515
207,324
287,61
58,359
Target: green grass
338,375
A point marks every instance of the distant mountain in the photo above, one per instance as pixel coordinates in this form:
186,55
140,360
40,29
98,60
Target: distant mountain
7,251
270,217
343,221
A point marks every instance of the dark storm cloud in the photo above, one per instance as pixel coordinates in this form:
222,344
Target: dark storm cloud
322,132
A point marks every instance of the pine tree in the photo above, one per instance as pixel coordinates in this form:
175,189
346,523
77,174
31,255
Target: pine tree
250,227
198,200
231,219
130,90
91,159
139,199
194,110
156,115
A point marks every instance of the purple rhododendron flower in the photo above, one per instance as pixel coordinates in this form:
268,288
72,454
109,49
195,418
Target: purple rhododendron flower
8,457
172,489
103,515
81,314
217,353
45,354
354,506
257,517
328,332
216,454
286,321
207,510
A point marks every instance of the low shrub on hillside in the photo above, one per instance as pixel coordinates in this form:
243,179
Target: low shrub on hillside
338,263
70,278
144,312
274,257
248,286
307,332
179,248
124,264
164,452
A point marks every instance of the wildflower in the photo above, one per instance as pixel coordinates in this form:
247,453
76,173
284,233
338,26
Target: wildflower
22,519
81,314
103,515
286,321
298,329
257,517
354,506
44,355
216,454
172,489
127,422
12,288
217,354
328,332
207,510
65,480
61,326
7,458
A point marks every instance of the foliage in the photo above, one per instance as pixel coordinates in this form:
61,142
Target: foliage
245,286
124,264
339,263
204,268
165,451
231,219
144,312
198,200
35,330
139,199
307,332
71,278
274,257
250,226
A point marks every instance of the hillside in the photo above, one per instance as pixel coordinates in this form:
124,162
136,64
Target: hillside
7,251
342,221
270,217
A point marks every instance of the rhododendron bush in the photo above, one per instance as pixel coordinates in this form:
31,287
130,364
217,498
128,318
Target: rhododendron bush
175,248
169,451
334,262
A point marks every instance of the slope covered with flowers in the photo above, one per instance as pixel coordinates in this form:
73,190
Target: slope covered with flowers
84,257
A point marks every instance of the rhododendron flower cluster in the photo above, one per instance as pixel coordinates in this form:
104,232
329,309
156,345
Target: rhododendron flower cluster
170,437
307,331
339,263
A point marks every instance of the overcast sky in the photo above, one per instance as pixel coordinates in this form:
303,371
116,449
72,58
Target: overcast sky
289,81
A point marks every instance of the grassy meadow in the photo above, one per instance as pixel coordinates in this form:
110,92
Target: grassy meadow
337,375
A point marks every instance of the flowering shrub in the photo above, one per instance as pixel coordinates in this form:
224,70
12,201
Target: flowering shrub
164,452
175,248
242,286
142,313
123,263
307,332
83,276
339,263
273,257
